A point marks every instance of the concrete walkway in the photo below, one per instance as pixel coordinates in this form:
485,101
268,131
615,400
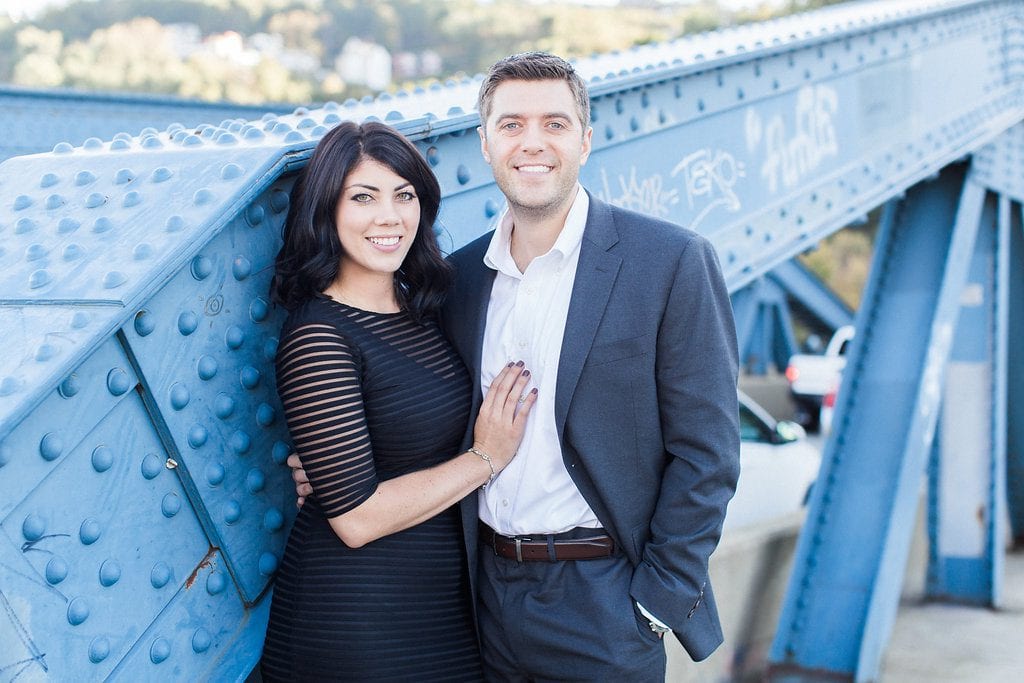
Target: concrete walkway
939,643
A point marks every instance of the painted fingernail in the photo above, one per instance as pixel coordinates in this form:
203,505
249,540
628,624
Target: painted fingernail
510,364
520,364
533,391
526,373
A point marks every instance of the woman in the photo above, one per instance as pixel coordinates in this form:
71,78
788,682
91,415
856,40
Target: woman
373,582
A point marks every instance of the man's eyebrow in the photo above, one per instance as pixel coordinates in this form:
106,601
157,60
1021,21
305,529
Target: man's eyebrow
546,115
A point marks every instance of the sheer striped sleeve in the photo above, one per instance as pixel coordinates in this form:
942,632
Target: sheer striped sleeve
318,380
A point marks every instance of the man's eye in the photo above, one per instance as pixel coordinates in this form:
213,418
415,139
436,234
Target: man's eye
557,125
511,125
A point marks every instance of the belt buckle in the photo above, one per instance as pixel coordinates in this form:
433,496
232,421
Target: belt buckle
519,547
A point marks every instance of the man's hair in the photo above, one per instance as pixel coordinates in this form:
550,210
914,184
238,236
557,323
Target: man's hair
533,66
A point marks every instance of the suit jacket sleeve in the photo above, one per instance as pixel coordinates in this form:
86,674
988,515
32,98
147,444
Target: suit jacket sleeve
696,371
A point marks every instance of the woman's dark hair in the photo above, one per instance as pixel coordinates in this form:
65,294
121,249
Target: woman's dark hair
310,256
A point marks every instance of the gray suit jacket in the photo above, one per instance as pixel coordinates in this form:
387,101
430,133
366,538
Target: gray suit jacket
645,402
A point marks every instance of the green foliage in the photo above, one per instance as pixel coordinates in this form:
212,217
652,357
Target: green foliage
134,45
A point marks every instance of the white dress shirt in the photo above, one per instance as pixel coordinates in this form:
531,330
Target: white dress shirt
526,321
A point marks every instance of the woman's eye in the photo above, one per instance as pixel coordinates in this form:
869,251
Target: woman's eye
406,196
362,198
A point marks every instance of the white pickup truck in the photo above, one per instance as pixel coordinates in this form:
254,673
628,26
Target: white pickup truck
811,376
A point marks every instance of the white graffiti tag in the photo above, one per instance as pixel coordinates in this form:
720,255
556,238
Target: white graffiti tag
791,159
645,196
710,176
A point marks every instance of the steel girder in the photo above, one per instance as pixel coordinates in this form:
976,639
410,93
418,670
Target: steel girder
763,326
848,572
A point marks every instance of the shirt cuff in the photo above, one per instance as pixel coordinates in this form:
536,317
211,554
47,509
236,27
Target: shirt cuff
656,620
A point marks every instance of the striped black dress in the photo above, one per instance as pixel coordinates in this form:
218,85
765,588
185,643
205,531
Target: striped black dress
368,397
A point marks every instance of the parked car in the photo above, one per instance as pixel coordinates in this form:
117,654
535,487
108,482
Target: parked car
811,376
828,406
778,466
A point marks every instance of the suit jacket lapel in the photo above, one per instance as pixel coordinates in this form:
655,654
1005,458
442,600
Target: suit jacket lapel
595,276
475,310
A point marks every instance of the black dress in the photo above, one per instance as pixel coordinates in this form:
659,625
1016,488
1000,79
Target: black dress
368,397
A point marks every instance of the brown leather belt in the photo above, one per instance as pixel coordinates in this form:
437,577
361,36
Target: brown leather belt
547,548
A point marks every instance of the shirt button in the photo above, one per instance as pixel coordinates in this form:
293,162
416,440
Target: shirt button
504,502
522,345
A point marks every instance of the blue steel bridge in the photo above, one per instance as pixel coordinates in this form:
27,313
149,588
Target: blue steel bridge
144,500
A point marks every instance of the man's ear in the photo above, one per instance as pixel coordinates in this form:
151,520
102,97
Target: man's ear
588,136
483,143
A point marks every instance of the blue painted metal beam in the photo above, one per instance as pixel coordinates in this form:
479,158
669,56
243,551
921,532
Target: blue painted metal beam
848,570
815,299
764,326
1015,388
967,497
36,120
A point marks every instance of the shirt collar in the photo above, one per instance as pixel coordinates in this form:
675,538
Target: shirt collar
499,252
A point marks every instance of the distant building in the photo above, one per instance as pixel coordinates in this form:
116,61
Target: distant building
364,63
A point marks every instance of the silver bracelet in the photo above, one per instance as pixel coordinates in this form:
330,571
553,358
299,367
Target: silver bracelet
487,459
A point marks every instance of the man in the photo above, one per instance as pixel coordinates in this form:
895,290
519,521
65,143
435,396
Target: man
595,540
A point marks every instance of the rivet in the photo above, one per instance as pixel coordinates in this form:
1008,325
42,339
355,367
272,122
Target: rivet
24,225
201,640
145,323
206,368
249,376
102,458
223,405
197,436
67,225
462,174
216,582
433,156
36,251
273,520
123,176
9,385
201,267
232,511
33,527
102,225
279,452
95,199
70,386
90,531
170,505
152,465
110,573
152,142
174,224
51,446
226,139
215,473
254,214
270,348
202,196
179,396
267,564
187,323
131,199
278,201
160,575
253,134
56,571
230,171
45,352
258,310
609,132
99,649
80,319
38,278
92,143
240,442
159,650
241,267
118,381
54,201
255,480
234,337
161,174
265,415
78,611
84,178
49,180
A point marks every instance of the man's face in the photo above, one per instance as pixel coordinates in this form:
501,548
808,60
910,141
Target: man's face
535,144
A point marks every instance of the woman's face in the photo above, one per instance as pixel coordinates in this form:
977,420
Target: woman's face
377,218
